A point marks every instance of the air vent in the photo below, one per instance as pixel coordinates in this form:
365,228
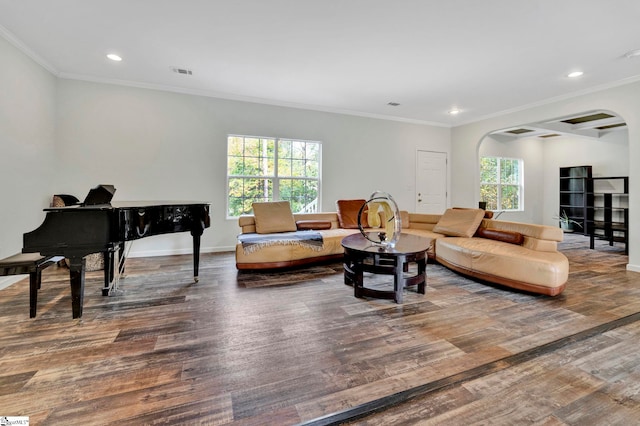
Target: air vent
518,131
182,71
393,104
549,135
611,126
587,118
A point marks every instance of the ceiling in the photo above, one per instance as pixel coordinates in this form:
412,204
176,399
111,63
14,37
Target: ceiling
351,56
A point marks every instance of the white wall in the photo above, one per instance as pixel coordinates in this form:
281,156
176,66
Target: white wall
27,156
155,145
624,100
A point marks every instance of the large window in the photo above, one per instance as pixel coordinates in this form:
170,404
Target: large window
501,185
271,169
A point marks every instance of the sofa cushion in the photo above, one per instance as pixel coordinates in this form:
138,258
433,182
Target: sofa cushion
273,216
348,213
511,237
459,222
315,225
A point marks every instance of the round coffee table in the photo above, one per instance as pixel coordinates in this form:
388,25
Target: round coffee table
361,255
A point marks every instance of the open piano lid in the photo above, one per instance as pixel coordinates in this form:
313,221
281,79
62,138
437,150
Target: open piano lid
101,194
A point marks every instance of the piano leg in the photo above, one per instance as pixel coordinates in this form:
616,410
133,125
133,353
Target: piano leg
76,276
196,255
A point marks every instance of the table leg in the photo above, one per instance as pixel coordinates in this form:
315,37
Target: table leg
398,278
358,277
422,271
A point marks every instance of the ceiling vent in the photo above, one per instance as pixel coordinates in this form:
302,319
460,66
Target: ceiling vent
587,118
183,71
611,126
549,135
518,131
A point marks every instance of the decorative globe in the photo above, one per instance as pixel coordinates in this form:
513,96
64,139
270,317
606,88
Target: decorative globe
383,219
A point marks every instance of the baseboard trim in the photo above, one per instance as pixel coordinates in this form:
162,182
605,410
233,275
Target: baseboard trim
633,268
155,253
7,281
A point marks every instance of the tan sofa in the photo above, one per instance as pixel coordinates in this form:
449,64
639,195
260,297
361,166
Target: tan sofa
518,255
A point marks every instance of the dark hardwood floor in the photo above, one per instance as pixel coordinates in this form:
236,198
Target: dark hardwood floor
296,347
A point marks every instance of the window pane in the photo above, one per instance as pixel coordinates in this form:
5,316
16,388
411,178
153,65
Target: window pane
312,151
235,165
509,171
489,193
301,193
284,167
284,149
298,150
489,170
298,168
510,197
245,191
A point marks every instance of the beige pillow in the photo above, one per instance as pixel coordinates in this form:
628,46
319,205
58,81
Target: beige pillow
273,216
459,222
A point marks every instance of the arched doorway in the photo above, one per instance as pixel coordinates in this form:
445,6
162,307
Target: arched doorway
596,138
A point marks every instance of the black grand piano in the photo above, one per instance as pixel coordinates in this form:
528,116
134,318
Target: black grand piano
98,226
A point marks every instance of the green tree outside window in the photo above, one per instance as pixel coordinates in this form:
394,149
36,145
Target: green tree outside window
271,169
501,183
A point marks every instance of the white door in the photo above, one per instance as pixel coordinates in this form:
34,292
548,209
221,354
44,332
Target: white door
431,182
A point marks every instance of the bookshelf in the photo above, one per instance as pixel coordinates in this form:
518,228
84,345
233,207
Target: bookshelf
576,196
610,210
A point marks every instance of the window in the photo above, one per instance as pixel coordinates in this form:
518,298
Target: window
271,169
501,183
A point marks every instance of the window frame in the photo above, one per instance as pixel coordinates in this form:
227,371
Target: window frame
499,183
275,177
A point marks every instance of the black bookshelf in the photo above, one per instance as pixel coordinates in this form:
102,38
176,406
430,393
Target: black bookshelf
576,197
610,210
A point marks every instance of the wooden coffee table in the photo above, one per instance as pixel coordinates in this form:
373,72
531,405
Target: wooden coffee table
361,255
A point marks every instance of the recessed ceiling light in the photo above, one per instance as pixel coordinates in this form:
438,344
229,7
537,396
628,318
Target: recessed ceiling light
575,74
114,57
454,111
632,53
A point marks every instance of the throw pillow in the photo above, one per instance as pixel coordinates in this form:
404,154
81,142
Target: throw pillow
511,237
459,222
273,216
348,213
312,225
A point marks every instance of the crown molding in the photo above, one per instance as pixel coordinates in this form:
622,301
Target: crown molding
16,42
241,98
549,101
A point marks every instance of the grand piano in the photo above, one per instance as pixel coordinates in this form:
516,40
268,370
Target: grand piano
99,226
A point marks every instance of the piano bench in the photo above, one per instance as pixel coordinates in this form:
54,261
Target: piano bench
32,264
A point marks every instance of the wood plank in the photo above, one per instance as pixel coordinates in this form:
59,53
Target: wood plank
296,346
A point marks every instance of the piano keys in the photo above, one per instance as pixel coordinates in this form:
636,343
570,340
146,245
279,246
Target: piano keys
79,230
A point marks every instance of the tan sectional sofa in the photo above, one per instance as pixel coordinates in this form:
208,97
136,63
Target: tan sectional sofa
518,255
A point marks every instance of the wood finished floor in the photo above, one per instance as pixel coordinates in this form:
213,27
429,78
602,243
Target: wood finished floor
297,347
